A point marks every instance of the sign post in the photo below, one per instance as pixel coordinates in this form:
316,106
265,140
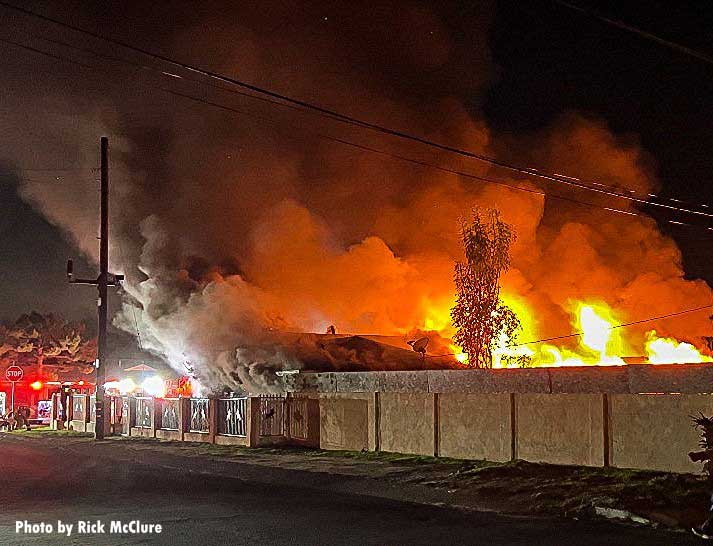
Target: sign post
13,375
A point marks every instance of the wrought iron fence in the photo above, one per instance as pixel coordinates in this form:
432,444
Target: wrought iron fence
120,414
200,417
272,415
144,412
231,416
79,407
92,409
169,413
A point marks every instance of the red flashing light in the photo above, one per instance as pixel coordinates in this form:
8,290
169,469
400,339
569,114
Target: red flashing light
37,385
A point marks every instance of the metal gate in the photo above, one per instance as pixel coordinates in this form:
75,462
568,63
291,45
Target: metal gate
144,412
231,416
117,419
79,406
200,415
169,413
121,415
299,422
272,415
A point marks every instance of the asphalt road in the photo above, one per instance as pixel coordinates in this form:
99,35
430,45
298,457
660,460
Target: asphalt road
41,483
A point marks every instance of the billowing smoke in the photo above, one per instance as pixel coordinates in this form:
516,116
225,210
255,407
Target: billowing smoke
232,233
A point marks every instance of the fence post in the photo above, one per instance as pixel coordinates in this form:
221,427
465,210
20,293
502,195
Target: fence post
155,421
212,419
53,412
253,428
70,407
131,417
513,427
436,425
184,416
87,410
606,424
377,421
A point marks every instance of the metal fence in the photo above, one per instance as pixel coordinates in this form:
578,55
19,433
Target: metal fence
144,412
169,413
299,423
200,416
231,416
272,415
92,401
120,414
79,407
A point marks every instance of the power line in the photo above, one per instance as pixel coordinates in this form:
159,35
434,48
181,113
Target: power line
623,325
577,334
276,102
338,116
647,35
376,150
427,164
56,57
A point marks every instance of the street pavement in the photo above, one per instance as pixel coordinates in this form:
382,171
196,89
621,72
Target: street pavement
41,482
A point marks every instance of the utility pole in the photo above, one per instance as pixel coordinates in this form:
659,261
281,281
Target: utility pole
102,282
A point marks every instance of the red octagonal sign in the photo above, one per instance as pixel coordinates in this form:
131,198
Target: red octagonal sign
14,373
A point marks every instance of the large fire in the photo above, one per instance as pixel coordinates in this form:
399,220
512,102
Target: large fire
596,329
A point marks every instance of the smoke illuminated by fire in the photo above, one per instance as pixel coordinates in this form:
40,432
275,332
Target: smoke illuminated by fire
231,232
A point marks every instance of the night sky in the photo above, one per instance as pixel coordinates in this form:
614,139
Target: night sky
521,65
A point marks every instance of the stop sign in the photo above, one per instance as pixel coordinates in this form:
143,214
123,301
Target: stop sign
14,373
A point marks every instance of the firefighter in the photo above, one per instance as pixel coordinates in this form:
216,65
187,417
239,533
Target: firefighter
22,417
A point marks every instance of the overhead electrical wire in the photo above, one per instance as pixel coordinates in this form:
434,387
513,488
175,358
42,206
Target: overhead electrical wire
275,102
613,327
362,147
426,164
301,105
629,28
338,116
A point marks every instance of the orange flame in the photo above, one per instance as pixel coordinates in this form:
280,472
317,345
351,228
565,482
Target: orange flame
600,339
665,350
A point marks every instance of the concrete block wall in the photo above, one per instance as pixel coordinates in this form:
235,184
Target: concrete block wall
346,421
406,423
560,428
655,431
596,416
474,426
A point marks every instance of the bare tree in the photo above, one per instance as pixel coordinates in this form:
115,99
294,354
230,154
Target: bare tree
480,318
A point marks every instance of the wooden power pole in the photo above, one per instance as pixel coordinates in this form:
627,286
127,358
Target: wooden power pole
102,283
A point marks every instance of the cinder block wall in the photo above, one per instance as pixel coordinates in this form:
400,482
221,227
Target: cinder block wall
407,423
344,421
474,426
586,416
560,428
655,431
